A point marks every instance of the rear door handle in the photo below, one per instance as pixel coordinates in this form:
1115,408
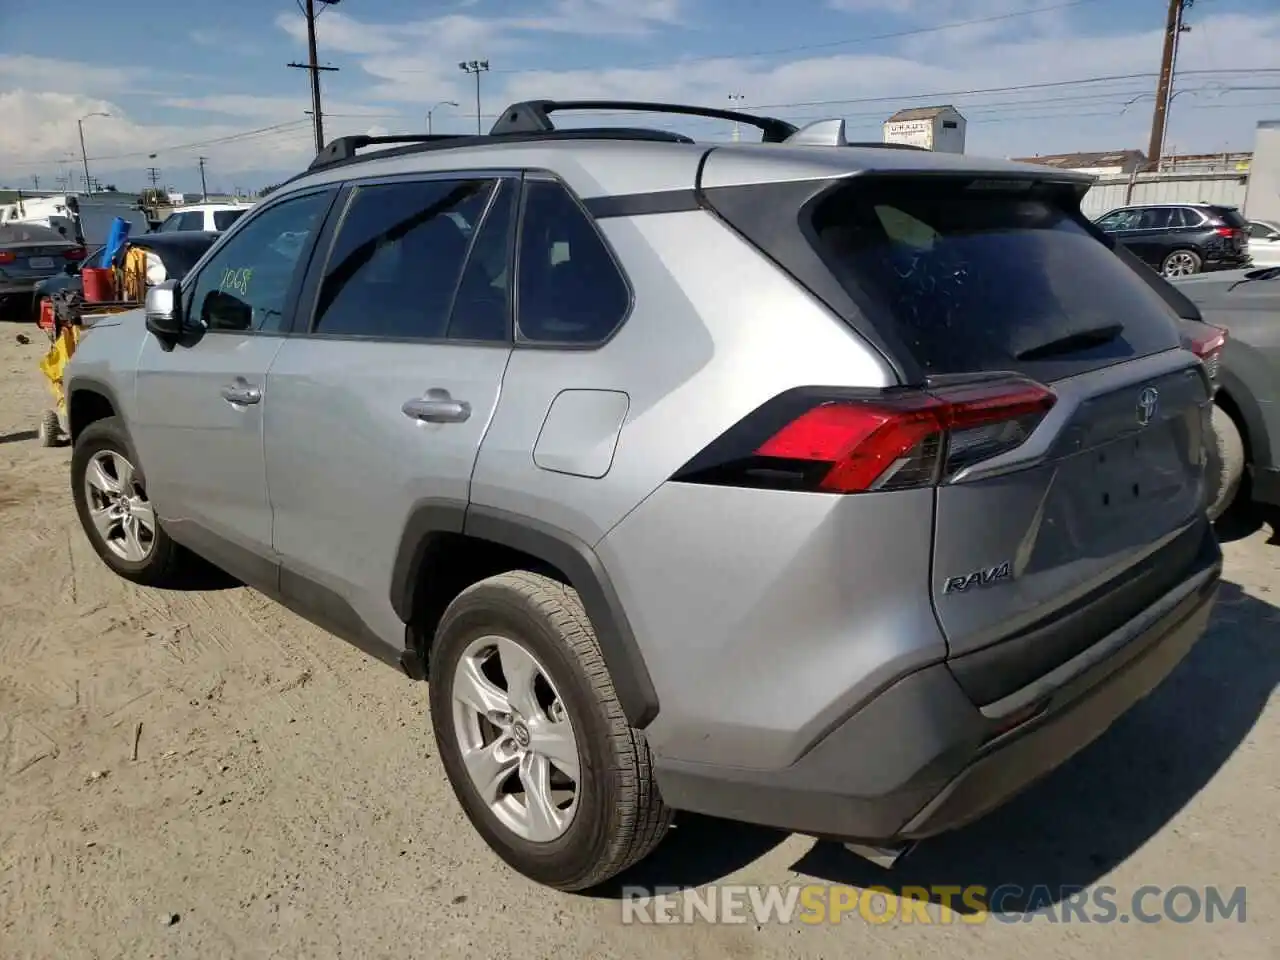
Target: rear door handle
241,393
437,407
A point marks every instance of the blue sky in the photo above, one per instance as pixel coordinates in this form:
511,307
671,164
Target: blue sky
211,80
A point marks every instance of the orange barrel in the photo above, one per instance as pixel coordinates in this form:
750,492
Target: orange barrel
99,284
46,314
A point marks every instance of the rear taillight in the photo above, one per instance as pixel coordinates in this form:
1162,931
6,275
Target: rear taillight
7,256
893,440
1208,347
75,253
1230,232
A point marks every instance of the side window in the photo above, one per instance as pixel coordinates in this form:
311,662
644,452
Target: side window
1191,217
482,307
225,218
171,223
192,220
570,289
398,257
244,286
1156,218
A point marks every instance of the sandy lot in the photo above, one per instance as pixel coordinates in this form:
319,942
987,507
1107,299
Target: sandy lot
286,800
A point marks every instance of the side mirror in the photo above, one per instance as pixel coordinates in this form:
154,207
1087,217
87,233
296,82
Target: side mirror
164,310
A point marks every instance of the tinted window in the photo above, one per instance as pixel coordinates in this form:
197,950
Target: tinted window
570,287
1230,216
225,218
968,280
246,284
171,223
1121,220
1157,218
1259,230
482,307
192,220
397,258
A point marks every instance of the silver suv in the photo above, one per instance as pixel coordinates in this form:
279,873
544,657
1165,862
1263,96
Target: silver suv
837,488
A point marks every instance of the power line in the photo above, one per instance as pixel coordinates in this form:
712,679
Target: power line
313,67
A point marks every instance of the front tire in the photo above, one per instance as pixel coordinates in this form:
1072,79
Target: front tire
533,739
111,501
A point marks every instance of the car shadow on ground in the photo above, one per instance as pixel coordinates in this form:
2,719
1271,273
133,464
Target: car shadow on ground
1242,522
1074,826
19,437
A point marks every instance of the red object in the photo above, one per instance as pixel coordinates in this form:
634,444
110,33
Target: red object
99,284
1207,344
863,440
75,253
45,321
7,256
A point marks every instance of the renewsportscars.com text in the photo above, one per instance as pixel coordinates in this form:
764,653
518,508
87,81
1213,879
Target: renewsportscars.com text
825,903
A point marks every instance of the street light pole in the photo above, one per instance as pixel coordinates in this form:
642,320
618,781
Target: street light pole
734,100
442,103
477,67
84,156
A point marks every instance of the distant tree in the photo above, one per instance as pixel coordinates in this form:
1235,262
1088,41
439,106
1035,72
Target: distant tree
267,189
110,188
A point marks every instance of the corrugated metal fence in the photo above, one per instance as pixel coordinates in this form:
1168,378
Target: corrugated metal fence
1107,193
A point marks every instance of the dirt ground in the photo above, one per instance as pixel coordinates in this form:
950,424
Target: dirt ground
286,800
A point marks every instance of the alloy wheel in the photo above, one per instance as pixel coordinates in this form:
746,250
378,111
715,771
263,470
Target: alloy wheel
118,506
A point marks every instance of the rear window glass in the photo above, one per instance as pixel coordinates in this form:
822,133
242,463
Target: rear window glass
1229,216
28,233
970,279
225,218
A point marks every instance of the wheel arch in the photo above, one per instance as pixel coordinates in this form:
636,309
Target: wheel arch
89,401
446,546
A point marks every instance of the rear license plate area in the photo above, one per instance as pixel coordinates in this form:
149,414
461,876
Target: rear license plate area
40,263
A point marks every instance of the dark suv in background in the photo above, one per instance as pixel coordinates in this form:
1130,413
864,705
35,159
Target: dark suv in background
1180,239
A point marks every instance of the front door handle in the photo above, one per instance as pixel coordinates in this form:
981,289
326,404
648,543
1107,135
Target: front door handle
437,407
241,393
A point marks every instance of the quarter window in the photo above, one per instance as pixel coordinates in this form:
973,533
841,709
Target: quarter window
246,284
570,288
398,257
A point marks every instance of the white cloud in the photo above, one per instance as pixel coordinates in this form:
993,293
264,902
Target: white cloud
392,73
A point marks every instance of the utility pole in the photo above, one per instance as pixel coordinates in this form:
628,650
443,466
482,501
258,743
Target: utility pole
313,67
84,156
36,178
204,190
1164,87
477,67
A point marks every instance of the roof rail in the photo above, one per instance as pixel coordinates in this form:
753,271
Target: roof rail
344,148
532,116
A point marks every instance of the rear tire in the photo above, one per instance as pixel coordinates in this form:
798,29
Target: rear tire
1226,463
616,814
152,559
1181,263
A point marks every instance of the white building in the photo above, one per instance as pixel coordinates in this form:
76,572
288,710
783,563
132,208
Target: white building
934,128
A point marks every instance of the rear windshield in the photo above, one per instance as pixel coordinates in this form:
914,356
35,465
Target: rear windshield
974,278
225,218
1230,216
28,233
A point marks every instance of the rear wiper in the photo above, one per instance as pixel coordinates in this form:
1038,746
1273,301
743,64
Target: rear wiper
1266,273
1079,340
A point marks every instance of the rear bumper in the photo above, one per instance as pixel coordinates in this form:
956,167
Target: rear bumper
1266,485
921,759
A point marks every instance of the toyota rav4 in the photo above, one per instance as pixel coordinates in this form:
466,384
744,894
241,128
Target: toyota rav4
837,488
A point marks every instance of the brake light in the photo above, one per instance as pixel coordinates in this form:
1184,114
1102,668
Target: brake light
1228,231
75,253
891,441
1208,347
7,256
